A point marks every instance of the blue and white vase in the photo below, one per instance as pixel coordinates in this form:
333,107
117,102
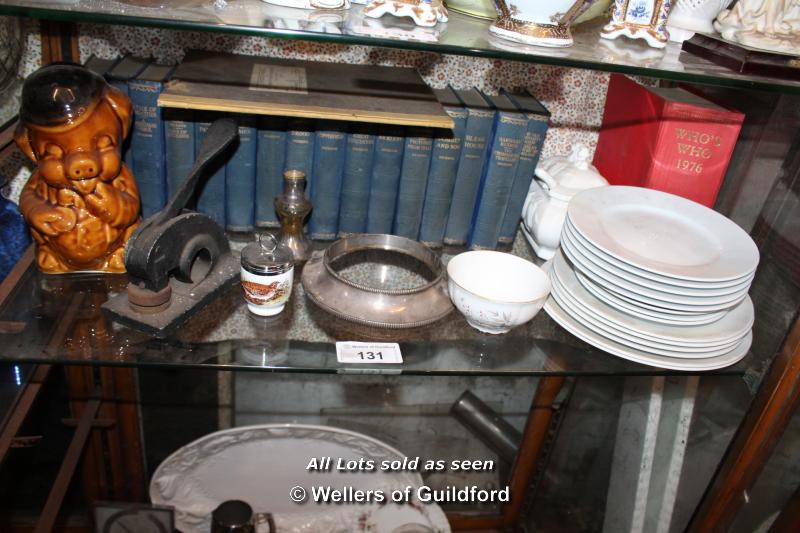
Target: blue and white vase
640,19
537,22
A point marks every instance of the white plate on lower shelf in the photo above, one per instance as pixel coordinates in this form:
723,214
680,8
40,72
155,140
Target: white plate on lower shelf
663,233
561,317
261,464
728,329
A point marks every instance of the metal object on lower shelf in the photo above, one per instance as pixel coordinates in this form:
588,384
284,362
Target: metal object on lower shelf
377,306
487,425
177,260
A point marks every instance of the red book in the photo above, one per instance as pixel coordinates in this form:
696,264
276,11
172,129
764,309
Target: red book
665,139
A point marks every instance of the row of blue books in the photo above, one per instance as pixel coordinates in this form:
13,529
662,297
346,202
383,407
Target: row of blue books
464,186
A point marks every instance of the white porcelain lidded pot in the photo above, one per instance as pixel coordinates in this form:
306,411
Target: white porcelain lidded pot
557,180
537,22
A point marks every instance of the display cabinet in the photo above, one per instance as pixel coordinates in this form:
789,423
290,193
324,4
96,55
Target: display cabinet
134,398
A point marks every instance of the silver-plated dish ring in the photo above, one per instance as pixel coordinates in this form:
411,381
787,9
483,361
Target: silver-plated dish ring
372,306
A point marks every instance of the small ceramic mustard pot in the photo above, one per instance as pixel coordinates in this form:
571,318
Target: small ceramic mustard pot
81,202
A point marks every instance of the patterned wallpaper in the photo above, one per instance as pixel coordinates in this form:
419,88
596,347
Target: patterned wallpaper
574,97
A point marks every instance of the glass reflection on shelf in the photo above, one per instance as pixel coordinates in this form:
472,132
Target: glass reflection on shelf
391,28
624,52
312,4
314,20
520,48
347,21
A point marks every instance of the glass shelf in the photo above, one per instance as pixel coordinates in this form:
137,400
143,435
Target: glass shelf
461,35
61,322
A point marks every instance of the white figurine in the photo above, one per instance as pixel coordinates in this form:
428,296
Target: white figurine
772,25
691,16
422,12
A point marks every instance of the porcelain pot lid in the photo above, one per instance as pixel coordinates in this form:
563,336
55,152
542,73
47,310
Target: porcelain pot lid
567,176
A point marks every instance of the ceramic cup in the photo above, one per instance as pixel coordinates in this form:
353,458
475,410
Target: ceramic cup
496,291
537,22
266,276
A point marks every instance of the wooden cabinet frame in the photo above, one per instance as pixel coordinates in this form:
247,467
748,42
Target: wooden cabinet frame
108,439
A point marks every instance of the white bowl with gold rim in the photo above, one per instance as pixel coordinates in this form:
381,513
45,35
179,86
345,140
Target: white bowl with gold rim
496,291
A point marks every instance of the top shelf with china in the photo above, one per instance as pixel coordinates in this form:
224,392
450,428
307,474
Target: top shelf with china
462,35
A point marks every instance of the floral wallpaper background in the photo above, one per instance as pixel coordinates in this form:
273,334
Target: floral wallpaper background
574,97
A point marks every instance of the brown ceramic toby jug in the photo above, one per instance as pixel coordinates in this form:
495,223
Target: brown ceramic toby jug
81,202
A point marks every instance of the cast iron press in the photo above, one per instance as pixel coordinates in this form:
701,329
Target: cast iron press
178,259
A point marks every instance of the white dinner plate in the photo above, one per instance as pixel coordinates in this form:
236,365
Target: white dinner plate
614,331
663,233
656,297
730,328
261,464
651,347
666,280
570,243
653,304
645,313
655,348
552,308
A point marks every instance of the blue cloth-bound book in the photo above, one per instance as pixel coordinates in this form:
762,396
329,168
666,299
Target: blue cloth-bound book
413,178
179,146
300,146
538,120
498,173
147,142
240,178
480,117
211,197
126,69
384,180
329,152
359,153
442,173
270,161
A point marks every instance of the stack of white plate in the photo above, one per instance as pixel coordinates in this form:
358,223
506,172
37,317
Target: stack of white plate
654,278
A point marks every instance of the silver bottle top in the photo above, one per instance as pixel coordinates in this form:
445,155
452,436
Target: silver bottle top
267,257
